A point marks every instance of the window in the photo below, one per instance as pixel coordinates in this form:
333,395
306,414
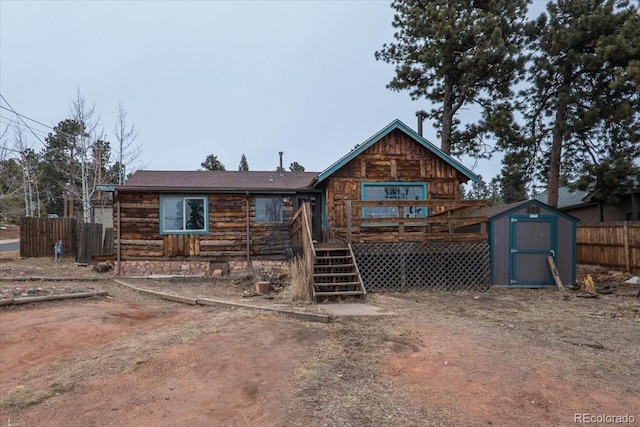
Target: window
268,209
393,191
183,214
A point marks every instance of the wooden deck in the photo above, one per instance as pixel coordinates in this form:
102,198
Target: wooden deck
444,220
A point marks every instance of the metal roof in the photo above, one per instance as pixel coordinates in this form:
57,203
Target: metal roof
566,197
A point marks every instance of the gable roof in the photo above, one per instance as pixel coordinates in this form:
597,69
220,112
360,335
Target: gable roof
396,124
222,181
496,212
566,197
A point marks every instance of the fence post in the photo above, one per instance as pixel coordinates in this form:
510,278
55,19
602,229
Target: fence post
627,252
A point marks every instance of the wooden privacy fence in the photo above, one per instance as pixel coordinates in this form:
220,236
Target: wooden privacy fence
80,240
615,245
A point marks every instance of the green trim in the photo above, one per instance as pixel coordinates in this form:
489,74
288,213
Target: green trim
106,187
365,184
396,124
514,250
529,203
205,197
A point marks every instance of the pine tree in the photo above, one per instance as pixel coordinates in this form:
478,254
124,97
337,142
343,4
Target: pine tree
583,105
456,53
211,163
244,165
296,167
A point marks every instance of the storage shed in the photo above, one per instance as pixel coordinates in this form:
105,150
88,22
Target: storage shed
521,237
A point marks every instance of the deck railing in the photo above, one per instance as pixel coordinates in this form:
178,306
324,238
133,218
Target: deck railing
419,220
302,241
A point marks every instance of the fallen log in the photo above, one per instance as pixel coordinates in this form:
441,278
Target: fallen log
27,300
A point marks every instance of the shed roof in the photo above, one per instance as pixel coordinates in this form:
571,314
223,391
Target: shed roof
223,181
496,212
396,124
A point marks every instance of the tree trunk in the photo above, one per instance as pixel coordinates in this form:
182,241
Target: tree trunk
447,117
556,156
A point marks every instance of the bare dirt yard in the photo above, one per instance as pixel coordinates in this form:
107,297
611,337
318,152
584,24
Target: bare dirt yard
503,357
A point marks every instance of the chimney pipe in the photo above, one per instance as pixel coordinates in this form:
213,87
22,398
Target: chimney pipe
421,115
281,168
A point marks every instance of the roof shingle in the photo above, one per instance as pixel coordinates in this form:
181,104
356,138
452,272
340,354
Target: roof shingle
220,180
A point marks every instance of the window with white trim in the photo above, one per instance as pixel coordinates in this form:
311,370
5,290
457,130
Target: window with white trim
183,214
269,209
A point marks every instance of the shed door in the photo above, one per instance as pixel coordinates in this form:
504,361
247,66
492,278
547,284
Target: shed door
532,240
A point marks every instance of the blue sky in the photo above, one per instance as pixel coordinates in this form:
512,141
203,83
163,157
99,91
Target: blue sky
209,77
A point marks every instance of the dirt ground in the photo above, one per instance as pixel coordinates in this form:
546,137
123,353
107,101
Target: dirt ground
503,357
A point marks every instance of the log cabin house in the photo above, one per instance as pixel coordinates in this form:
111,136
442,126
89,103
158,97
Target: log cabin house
395,188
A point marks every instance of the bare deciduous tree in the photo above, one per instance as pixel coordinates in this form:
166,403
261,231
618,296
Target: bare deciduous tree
128,153
84,149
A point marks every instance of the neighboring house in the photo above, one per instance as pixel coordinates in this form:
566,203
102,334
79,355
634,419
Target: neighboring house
580,204
395,186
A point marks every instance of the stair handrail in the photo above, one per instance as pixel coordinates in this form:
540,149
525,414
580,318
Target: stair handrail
355,265
301,236
308,248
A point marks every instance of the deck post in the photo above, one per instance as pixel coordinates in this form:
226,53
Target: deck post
248,225
348,219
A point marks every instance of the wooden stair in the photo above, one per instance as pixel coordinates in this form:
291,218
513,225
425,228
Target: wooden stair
335,273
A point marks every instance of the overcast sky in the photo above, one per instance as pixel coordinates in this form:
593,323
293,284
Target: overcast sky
210,77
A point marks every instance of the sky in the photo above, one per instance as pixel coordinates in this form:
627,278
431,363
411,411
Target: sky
211,77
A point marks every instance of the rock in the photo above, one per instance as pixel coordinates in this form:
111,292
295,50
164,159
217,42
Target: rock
102,267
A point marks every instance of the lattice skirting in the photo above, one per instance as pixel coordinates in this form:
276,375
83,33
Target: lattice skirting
438,266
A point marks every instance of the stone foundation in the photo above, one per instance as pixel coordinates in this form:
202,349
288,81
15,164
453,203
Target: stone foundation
197,268
259,268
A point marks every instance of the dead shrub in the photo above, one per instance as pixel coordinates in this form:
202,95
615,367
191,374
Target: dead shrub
300,290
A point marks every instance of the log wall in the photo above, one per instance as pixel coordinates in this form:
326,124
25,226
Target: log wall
395,158
140,236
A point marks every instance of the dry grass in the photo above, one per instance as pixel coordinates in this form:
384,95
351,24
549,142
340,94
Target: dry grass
341,384
299,278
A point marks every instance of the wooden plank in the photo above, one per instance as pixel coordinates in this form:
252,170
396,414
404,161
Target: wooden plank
627,254
554,273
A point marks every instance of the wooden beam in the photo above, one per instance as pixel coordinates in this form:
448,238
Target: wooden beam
348,220
554,272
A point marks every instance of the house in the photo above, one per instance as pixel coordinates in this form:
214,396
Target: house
190,222
581,205
394,187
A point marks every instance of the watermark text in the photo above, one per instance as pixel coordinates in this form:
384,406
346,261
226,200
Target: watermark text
585,417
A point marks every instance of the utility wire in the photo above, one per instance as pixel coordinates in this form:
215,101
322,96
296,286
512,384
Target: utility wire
22,120
22,115
8,121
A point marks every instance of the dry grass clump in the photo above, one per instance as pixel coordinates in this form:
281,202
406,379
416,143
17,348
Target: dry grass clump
300,289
